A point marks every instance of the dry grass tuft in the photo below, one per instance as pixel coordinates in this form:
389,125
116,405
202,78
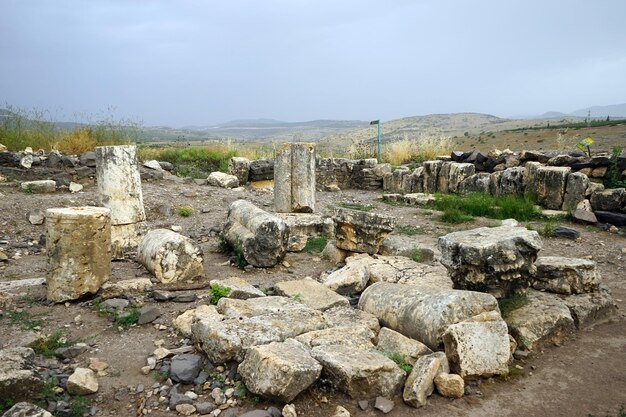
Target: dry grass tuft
423,148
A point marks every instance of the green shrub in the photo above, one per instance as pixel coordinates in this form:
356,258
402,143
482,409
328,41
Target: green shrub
613,177
416,255
23,320
217,292
485,205
192,161
455,216
316,244
51,343
184,211
400,360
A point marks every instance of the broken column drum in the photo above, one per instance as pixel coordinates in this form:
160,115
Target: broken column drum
78,243
170,256
359,231
119,189
294,178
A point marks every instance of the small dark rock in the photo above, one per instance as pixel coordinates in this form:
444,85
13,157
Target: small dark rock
384,404
275,412
185,298
148,314
566,232
121,394
256,413
176,398
160,295
205,407
364,405
202,377
186,367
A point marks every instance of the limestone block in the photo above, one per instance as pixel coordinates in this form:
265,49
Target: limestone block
530,176
512,181
589,308
402,270
261,236
359,373
358,336
459,172
420,383
450,385
566,275
550,186
478,349
221,179
39,187
261,170
333,253
443,177
391,341
303,226
19,380
612,199
239,288
279,371
431,173
476,183
359,231
423,247
182,322
78,244
311,293
25,409
240,168
348,316
417,180
251,307
583,213
424,313
134,287
170,256
544,319
496,259
575,190
119,183
352,278
294,178
393,181
82,382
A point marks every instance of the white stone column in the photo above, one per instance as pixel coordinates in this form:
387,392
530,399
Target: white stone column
294,178
119,189
78,243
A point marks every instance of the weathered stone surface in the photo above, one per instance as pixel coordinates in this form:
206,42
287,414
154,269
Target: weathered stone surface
543,320
589,308
182,322
152,164
359,373
78,243
401,270
24,409
36,216
261,169
550,183
119,189
303,226
393,181
443,177
412,199
566,275
424,313
612,199
333,253
279,371
459,172
39,187
352,278
221,179
82,382
450,385
476,183
133,287
348,316
431,173
391,341
496,260
294,178
477,349
385,405
239,167
424,247
420,383
534,156
311,293
148,314
575,190
611,217
583,213
185,367
264,320
18,379
359,231
512,181
75,187
239,288
261,236
170,256
565,232
358,336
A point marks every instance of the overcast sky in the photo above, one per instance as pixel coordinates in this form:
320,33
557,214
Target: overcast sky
203,62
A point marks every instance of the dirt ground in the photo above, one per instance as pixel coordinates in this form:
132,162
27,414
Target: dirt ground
586,375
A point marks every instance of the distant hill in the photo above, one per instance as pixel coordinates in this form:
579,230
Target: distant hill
613,110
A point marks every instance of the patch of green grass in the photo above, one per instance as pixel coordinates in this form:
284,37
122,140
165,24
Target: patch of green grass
241,392
160,376
485,205
218,291
357,206
297,297
400,360
184,211
79,406
194,161
455,216
6,403
394,202
23,320
316,244
408,230
237,251
27,190
48,345
507,305
416,255
127,319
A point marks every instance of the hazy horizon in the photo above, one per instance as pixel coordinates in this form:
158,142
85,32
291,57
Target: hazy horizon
204,63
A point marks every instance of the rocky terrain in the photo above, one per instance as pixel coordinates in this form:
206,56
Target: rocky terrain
155,364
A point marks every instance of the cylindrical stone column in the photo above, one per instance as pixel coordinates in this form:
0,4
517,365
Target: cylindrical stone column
170,256
78,243
119,189
282,180
294,178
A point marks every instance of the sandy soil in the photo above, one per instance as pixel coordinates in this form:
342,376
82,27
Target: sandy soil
585,375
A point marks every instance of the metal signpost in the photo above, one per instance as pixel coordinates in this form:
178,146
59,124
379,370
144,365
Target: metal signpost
377,122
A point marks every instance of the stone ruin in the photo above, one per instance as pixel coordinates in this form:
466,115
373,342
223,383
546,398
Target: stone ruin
441,318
